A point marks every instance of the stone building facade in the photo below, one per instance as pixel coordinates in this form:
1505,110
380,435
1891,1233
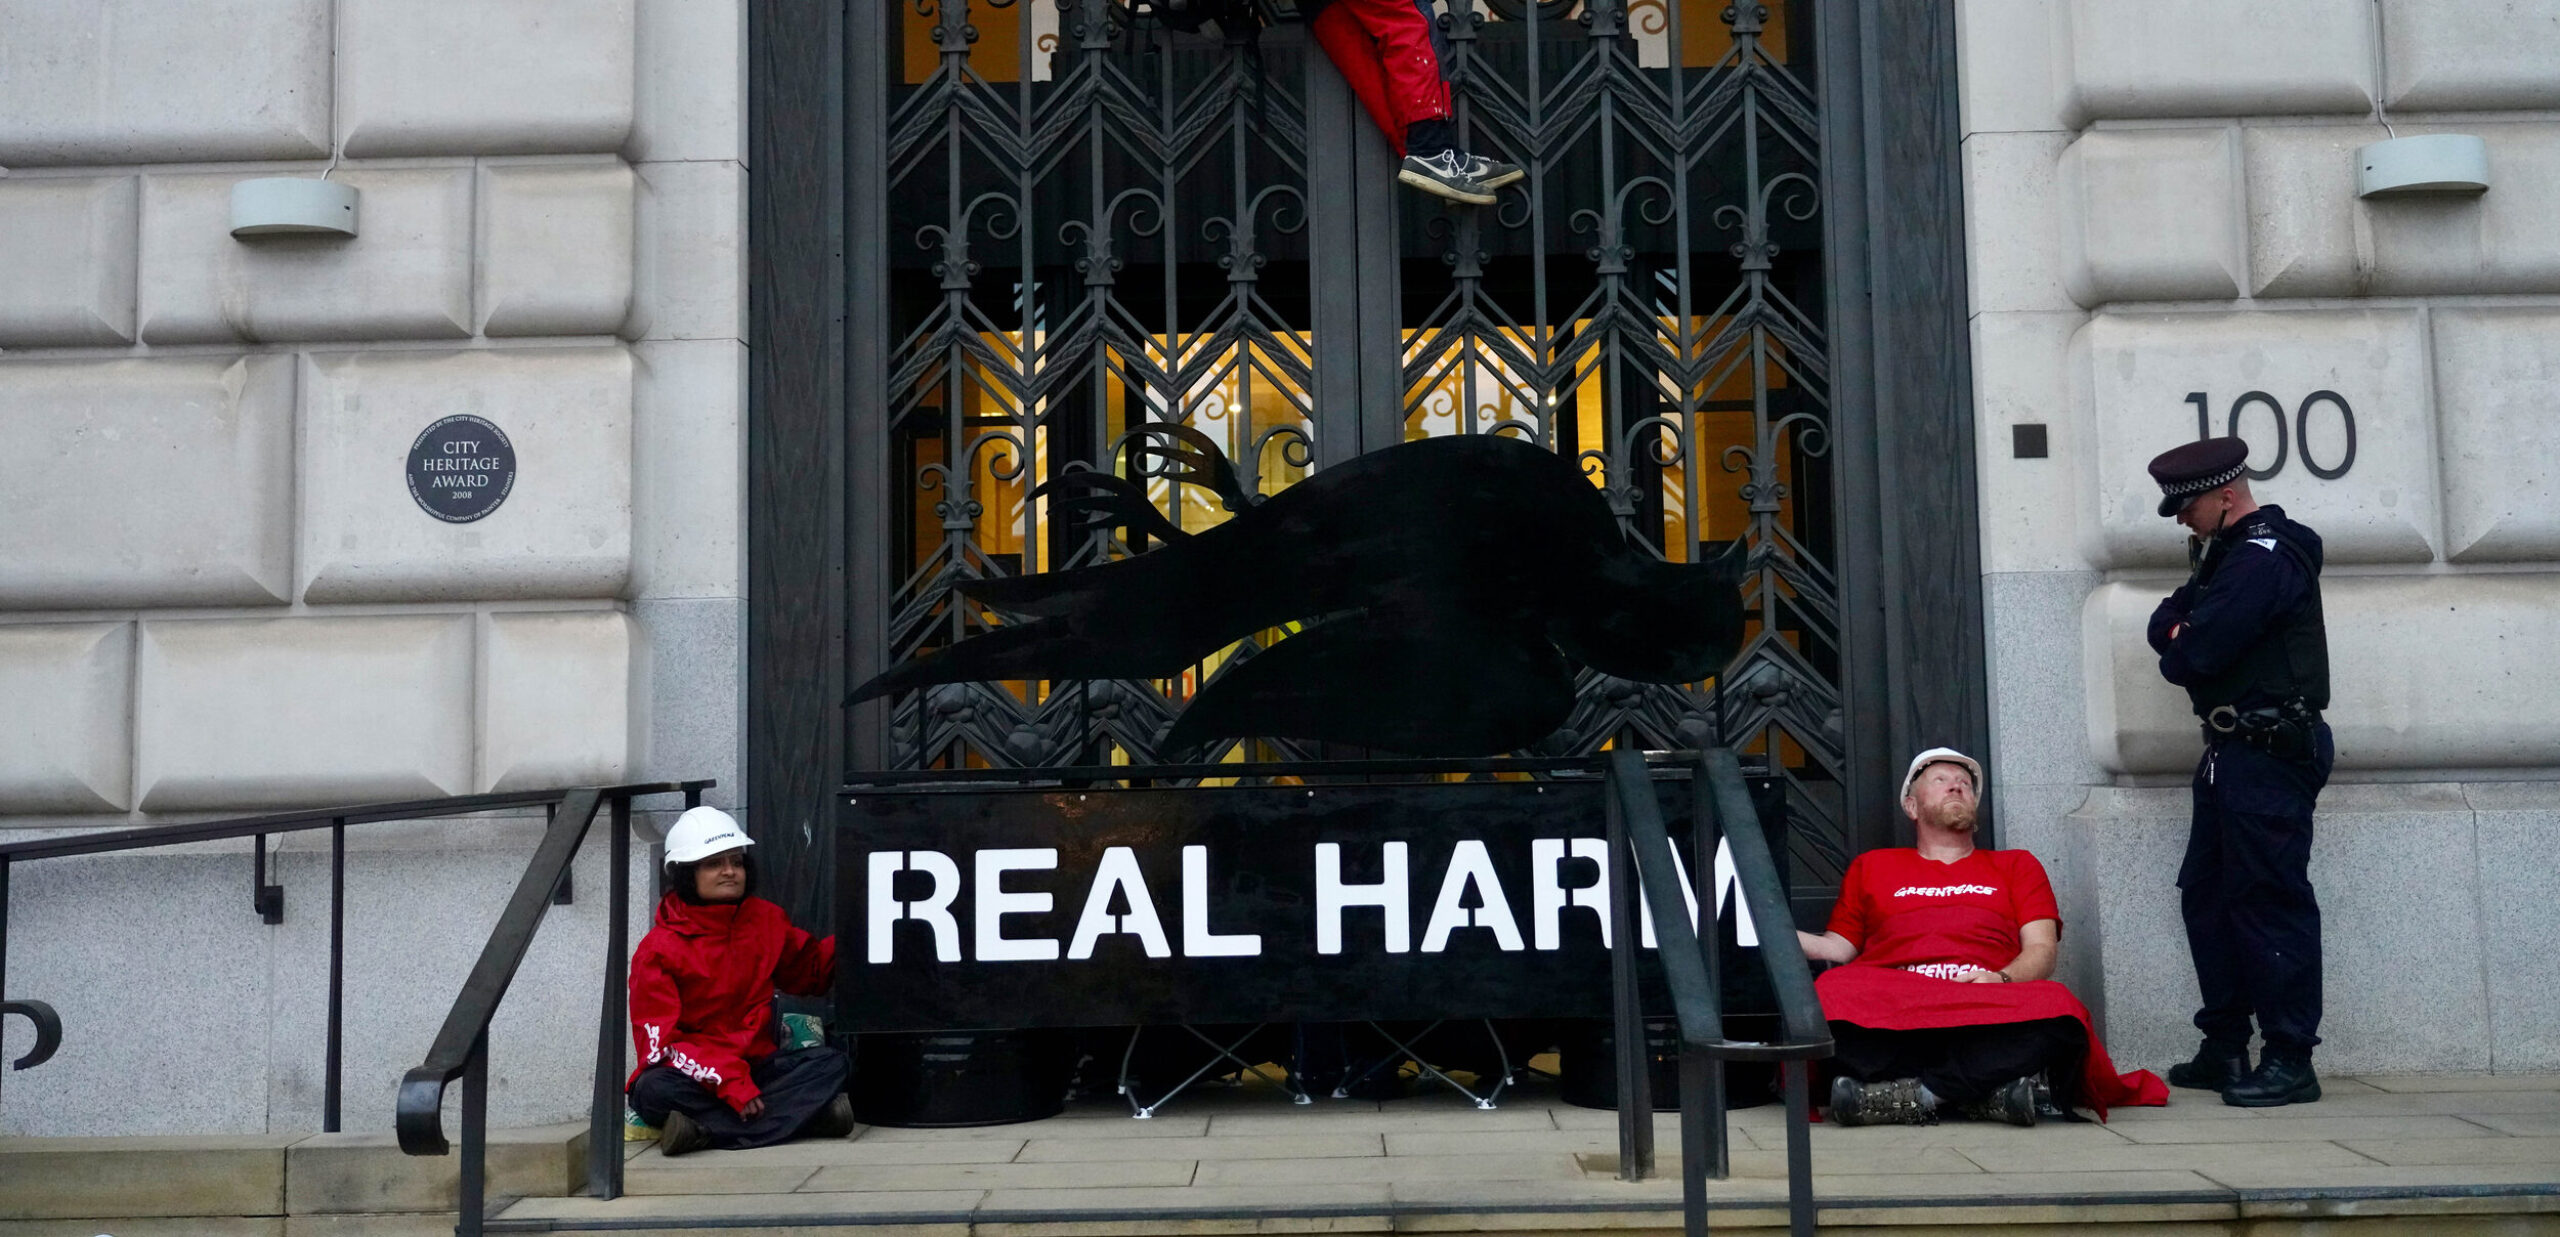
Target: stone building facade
2163,224
217,595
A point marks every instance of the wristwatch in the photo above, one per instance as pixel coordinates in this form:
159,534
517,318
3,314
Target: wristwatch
2005,977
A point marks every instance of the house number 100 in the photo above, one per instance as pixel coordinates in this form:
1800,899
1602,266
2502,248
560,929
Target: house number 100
2301,429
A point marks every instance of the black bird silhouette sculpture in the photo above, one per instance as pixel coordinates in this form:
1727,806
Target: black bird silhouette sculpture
1439,586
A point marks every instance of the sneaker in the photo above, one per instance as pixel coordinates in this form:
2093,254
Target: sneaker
2014,1103
833,1121
1449,174
2276,1082
1493,173
681,1136
1894,1101
2215,1066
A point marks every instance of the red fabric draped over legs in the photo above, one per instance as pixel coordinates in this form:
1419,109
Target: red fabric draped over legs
1889,999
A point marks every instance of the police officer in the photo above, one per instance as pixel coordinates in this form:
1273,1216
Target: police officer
2244,637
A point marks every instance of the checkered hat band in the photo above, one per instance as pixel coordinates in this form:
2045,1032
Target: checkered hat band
2203,484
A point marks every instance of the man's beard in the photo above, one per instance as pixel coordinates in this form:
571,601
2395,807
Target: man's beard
1955,816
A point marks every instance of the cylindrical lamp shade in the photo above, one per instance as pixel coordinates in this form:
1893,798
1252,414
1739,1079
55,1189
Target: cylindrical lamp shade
292,206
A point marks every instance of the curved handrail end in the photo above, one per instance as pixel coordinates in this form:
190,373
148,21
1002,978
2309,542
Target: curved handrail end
420,1116
48,1031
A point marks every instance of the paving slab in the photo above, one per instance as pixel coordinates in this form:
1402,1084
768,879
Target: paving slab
1098,1174
1512,1142
1391,1120
2196,1157
1552,1166
2423,1151
742,1209
2310,1129
736,1179
2003,1186
1353,1198
1748,1164
1870,1140
1229,1147
2247,1176
186,1226
2419,1083
2384,1103
2524,1125
1169,1125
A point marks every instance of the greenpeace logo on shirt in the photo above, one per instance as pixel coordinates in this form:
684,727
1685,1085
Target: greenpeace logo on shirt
1940,891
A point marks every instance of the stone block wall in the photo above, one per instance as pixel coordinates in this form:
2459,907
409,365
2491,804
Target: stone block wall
2165,238
217,595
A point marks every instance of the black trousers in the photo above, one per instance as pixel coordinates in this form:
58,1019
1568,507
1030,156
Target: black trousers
1964,1064
796,1084
2253,923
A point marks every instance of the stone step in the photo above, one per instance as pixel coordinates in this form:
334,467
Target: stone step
243,1181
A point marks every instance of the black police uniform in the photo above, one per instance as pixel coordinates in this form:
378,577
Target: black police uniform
2253,656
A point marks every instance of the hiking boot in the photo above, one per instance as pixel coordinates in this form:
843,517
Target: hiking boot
1449,174
1895,1101
2215,1066
833,1121
1493,173
2276,1082
2014,1103
681,1136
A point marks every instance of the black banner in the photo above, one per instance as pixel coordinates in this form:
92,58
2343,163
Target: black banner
1028,907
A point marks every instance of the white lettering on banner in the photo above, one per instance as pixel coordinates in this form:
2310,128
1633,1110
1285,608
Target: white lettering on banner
1470,866
1548,898
1471,895
1119,873
1389,895
1942,970
1941,891
994,904
1197,941
933,910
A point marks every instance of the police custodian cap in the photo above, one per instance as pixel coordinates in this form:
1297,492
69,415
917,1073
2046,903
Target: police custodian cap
2199,467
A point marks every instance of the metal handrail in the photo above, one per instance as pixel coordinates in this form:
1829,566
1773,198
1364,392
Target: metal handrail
461,1047
1639,841
267,898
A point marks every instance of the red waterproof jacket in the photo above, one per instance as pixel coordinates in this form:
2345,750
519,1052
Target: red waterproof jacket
702,985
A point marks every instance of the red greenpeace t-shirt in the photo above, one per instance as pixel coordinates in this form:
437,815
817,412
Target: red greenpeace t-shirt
1941,919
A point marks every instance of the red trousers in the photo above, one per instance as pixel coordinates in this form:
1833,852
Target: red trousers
1389,50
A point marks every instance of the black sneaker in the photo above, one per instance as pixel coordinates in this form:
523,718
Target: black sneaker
2014,1103
1494,173
2215,1066
2276,1082
1895,1101
1449,174
833,1121
681,1136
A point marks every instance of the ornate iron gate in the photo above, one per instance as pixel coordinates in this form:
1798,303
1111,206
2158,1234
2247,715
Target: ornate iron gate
1098,223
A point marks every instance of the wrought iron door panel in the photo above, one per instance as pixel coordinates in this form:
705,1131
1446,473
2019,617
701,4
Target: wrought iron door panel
1099,223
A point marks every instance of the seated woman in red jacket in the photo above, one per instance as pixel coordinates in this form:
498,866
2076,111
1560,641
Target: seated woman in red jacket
702,985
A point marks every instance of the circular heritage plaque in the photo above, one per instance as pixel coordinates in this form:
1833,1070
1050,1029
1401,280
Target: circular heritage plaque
461,468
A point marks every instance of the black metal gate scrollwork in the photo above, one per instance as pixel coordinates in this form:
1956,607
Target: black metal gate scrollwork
1099,224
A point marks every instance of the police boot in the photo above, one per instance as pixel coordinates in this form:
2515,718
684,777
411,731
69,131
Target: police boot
2215,1066
2276,1082
1895,1101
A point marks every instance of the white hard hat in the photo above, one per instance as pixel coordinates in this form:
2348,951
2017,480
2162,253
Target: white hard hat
1935,755
703,832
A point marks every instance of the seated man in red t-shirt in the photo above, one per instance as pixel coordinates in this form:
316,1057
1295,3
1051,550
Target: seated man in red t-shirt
1944,1002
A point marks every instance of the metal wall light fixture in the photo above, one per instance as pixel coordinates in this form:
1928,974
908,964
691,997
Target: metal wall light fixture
292,206
2452,163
